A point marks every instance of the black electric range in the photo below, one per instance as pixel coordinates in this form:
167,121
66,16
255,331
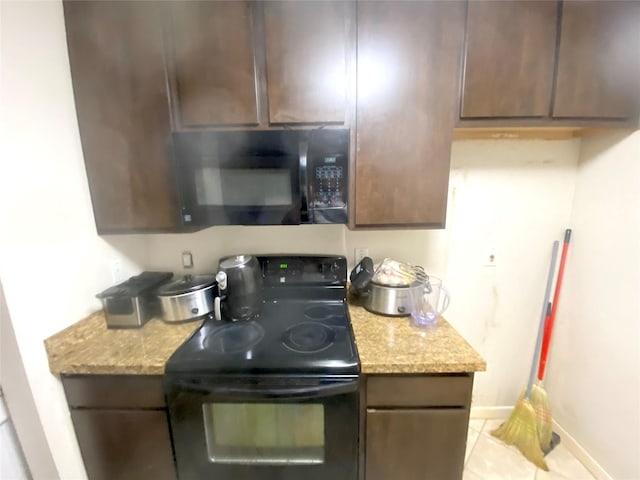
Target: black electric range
275,396
303,326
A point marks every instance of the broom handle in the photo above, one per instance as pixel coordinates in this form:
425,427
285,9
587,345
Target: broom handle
545,306
548,324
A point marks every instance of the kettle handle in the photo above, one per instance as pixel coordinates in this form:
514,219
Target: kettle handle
216,308
221,278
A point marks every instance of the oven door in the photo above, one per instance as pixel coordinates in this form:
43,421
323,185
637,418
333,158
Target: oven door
238,177
265,428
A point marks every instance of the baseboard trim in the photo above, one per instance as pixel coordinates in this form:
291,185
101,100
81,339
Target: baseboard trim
496,413
490,413
580,453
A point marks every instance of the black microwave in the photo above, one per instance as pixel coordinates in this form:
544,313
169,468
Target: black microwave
272,177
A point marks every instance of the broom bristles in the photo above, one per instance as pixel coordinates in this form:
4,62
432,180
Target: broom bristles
542,406
520,431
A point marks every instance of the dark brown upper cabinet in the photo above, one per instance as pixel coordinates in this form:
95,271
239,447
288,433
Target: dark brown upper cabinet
241,63
551,64
212,55
117,68
408,60
306,56
510,57
599,61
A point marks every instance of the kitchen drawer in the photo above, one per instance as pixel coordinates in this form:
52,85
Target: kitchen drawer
419,390
114,391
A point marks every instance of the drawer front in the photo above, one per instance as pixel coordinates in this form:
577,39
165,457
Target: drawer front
419,390
114,391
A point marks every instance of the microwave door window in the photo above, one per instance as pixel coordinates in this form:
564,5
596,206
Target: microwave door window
208,186
237,187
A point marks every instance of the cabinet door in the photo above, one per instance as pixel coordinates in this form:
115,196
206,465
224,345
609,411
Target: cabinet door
421,444
124,444
510,56
213,58
408,76
117,67
306,52
598,60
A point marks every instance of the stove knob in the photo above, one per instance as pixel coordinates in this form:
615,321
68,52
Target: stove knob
194,310
402,309
335,267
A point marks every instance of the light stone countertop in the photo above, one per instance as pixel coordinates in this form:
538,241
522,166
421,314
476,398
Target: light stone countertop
385,345
392,345
89,347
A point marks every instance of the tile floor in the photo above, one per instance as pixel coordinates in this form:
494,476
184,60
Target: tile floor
489,459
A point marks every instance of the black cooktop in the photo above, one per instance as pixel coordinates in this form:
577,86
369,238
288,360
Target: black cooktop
303,327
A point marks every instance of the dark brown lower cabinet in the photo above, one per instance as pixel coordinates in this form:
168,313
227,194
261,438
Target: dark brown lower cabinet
124,444
416,426
121,425
416,444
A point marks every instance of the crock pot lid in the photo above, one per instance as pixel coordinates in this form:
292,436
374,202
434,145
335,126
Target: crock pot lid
233,262
410,286
390,285
186,284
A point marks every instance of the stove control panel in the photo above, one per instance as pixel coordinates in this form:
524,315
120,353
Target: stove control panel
303,270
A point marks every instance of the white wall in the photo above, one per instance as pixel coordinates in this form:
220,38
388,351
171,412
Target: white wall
208,246
12,464
593,378
19,399
51,260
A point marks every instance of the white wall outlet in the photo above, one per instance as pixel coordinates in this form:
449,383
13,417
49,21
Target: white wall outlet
359,254
187,260
490,258
116,270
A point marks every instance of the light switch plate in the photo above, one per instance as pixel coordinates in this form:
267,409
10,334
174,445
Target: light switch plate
187,260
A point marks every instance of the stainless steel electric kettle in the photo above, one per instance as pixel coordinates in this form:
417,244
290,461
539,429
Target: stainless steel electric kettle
243,295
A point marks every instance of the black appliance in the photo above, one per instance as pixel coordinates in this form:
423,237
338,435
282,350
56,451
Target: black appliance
242,293
275,397
262,177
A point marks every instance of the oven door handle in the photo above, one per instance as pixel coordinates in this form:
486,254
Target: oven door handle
262,392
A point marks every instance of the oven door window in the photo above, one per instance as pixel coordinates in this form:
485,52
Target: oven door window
264,433
242,187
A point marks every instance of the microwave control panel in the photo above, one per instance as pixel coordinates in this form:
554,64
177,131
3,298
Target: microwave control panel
328,185
328,175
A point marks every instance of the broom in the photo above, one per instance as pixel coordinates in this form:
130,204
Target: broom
539,398
520,429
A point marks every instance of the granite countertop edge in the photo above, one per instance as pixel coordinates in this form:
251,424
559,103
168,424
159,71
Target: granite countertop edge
87,347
